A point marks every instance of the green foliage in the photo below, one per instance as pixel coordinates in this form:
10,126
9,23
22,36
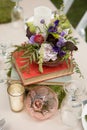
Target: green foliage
57,3
86,117
58,89
9,72
75,40
5,10
64,22
30,54
31,27
76,11
40,58
76,68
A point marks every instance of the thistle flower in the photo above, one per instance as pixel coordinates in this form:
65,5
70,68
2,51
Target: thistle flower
42,21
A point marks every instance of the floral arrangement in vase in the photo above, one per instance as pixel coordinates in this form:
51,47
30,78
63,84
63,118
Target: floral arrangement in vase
50,44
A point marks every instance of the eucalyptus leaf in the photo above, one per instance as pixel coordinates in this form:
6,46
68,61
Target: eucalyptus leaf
24,66
30,58
33,57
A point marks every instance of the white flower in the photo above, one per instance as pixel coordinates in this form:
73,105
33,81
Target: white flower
48,53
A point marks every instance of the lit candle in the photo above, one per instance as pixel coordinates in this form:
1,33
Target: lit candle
42,12
16,97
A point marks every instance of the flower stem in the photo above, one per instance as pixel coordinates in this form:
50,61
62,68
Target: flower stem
40,68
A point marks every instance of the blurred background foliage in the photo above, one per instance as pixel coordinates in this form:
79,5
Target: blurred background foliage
5,10
76,11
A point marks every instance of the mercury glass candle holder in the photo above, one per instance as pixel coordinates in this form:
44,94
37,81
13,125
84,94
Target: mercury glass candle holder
16,97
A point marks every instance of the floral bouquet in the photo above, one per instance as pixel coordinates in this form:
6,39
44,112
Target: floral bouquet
50,44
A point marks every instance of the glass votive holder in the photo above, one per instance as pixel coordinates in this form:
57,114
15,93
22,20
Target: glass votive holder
16,97
17,15
70,116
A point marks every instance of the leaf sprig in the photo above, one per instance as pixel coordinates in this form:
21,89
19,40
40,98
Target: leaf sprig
30,54
76,68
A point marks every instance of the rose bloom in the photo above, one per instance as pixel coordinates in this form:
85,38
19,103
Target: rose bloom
37,104
49,53
39,38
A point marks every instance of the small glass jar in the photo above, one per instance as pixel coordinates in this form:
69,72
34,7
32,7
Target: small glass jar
16,97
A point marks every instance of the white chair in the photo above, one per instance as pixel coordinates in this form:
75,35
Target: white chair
67,5
82,26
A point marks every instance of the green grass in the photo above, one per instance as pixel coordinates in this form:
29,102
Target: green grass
5,10
57,3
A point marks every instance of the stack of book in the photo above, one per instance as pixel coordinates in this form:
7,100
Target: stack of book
51,75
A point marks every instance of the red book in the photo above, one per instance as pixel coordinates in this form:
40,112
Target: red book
32,75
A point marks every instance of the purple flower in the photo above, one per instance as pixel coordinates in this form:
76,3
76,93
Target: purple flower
60,42
61,39
31,40
52,29
56,22
42,21
56,49
63,33
62,53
